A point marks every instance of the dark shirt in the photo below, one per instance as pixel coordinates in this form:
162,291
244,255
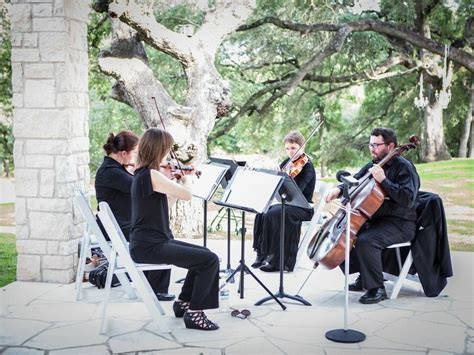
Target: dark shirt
150,219
401,184
112,185
306,179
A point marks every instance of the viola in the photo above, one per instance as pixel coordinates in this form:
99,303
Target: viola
327,247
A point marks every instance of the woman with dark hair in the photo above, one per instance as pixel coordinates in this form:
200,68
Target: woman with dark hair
113,183
151,240
267,228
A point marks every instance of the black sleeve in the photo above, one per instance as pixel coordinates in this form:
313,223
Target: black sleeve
118,179
306,176
404,188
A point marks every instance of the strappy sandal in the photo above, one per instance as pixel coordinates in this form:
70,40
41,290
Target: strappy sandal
180,308
198,320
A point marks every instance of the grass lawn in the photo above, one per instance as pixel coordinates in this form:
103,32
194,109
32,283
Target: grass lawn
7,259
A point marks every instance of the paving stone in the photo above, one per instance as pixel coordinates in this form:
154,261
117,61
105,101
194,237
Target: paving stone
86,350
140,341
21,351
75,335
425,334
16,331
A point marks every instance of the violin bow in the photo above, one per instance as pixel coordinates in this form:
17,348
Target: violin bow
173,155
285,167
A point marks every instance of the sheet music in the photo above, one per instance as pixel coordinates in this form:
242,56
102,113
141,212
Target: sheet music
209,180
251,189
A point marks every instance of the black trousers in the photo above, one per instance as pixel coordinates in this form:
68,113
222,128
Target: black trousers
372,239
266,234
201,286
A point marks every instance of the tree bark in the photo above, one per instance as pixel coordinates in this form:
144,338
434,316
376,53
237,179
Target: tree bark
466,128
434,146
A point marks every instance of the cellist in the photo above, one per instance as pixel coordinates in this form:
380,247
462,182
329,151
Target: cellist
267,225
394,222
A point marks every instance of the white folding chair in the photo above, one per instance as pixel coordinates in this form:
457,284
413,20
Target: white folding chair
322,188
126,264
93,237
404,268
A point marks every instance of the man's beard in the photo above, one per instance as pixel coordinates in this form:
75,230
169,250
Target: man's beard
377,159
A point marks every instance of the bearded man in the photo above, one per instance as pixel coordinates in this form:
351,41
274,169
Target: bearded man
394,222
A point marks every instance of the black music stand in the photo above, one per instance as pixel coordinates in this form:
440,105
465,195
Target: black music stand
232,167
250,191
346,335
289,194
205,187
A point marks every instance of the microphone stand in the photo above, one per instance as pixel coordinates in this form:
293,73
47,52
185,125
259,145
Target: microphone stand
346,335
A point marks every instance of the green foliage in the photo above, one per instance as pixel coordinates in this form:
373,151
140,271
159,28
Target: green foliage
251,60
8,256
5,64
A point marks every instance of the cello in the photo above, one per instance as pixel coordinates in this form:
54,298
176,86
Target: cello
327,247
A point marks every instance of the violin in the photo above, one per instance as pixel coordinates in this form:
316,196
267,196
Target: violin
298,165
179,170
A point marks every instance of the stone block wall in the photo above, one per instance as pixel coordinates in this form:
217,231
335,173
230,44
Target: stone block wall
50,126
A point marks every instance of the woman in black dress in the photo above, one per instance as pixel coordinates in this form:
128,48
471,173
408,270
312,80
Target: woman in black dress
151,240
113,183
266,231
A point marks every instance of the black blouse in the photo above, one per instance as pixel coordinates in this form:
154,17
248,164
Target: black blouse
112,185
150,218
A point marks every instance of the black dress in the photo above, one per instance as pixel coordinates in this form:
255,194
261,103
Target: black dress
266,232
112,185
151,241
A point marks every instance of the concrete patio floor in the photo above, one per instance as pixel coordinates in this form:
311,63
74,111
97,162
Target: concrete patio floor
40,318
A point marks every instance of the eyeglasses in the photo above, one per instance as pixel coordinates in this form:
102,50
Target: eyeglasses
376,145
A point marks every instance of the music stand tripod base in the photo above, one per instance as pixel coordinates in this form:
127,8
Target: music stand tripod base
281,293
345,336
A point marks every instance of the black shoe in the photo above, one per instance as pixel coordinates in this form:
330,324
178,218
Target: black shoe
374,295
357,285
259,261
269,268
198,320
180,308
165,296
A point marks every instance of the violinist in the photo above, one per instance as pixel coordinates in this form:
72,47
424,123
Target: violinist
151,240
394,222
113,183
266,231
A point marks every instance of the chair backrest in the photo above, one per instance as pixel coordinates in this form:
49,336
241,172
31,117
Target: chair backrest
92,226
322,188
117,238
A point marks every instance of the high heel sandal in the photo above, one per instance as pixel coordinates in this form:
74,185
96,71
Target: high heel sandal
180,308
198,320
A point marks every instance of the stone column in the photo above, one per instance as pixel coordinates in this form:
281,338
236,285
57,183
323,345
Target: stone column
50,125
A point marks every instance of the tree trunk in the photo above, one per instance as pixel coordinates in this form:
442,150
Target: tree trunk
434,146
208,95
471,144
323,171
466,128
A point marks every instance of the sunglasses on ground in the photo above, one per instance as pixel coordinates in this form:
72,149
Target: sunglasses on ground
240,314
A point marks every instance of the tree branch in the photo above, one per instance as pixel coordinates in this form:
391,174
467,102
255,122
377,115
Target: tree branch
387,29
